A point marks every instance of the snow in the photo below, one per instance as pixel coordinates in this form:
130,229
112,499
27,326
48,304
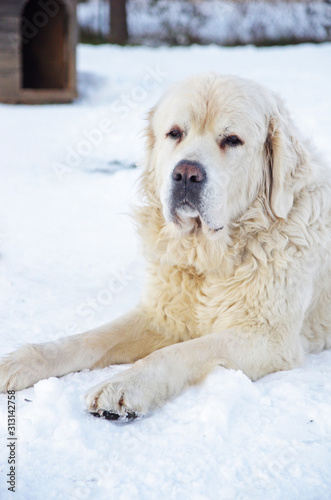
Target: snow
213,21
70,260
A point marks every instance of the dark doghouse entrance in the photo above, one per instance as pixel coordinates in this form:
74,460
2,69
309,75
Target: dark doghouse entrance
44,46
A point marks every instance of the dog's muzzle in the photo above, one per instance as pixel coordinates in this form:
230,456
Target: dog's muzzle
188,180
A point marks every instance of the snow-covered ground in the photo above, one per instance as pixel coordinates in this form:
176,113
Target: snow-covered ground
70,260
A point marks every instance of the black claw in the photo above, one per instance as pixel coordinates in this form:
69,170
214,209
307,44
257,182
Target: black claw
131,415
108,415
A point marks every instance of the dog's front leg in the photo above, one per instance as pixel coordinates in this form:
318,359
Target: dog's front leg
165,373
124,340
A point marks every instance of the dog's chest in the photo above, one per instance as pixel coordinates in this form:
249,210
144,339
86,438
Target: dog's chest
188,305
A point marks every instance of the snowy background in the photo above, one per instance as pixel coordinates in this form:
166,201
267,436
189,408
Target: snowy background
68,179
213,21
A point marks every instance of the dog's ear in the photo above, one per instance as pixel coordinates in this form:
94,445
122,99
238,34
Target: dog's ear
284,155
150,136
148,178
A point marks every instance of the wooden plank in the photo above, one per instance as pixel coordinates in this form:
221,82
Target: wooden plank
9,74
13,8
9,85
27,96
10,8
8,61
8,24
9,42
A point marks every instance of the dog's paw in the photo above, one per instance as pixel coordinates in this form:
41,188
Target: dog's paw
121,398
20,369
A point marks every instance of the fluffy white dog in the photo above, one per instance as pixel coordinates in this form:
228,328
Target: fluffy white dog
236,227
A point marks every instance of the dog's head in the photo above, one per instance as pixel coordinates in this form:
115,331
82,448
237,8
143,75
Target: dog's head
217,143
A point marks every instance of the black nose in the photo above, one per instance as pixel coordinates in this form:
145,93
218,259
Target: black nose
187,172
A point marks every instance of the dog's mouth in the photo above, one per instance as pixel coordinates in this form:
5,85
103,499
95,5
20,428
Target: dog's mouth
189,219
186,208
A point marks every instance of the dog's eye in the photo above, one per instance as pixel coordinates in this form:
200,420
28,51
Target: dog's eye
175,133
231,140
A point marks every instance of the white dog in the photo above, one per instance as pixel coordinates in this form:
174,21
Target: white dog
236,227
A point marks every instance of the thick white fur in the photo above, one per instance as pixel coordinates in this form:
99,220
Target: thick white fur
254,296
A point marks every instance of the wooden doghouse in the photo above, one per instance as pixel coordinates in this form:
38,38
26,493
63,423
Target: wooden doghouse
37,51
